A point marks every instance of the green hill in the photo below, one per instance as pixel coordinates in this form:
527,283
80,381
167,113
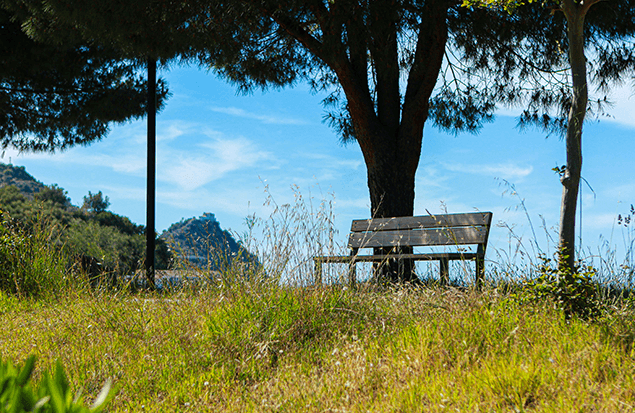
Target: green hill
113,241
20,178
97,240
203,243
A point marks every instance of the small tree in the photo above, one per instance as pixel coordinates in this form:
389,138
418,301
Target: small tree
96,203
614,57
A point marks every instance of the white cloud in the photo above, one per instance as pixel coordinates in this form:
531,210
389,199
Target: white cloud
429,176
623,105
174,129
121,192
328,161
621,193
128,162
353,203
211,161
508,171
605,222
280,120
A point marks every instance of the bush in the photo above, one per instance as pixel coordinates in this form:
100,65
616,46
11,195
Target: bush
53,394
572,291
115,251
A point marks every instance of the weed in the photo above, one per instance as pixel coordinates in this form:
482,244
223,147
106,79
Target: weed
53,394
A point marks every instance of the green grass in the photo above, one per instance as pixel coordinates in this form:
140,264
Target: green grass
260,347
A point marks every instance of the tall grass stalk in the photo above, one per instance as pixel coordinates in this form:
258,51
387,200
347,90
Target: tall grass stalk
287,240
32,261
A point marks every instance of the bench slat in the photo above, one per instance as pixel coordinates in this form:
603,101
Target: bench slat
420,257
427,221
414,238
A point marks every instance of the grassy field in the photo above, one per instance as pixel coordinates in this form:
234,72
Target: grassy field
276,343
261,347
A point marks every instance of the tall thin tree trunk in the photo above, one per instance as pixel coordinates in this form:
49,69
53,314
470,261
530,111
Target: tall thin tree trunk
575,13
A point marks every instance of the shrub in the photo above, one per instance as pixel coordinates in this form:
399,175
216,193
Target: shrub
572,291
114,250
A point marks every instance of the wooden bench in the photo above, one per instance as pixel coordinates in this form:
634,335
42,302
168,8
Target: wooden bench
419,231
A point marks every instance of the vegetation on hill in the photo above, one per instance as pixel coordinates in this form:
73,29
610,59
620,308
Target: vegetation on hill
203,243
100,242
20,178
96,240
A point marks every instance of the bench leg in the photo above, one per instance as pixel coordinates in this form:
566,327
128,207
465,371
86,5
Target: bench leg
318,272
352,274
444,269
480,271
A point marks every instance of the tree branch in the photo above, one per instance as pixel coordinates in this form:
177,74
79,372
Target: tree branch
429,54
384,49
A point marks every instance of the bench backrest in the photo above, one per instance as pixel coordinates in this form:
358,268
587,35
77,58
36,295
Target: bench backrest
428,230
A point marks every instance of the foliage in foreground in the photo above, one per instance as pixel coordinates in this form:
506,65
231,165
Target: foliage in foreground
52,394
261,347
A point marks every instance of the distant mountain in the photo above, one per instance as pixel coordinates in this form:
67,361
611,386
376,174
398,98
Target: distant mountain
21,179
202,242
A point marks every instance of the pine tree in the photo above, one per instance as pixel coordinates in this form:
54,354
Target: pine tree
54,96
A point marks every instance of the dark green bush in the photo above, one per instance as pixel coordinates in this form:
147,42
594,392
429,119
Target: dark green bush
31,264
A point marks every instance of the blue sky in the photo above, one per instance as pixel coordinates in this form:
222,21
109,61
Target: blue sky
217,151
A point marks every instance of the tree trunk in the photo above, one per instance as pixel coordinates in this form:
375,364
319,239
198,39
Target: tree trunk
391,141
570,179
392,191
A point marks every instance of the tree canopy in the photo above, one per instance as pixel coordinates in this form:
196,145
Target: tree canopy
54,96
95,203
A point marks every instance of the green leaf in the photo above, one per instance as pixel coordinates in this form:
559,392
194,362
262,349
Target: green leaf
55,392
60,378
26,372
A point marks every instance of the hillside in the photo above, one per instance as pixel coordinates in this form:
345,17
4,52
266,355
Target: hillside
95,239
20,178
113,240
203,243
